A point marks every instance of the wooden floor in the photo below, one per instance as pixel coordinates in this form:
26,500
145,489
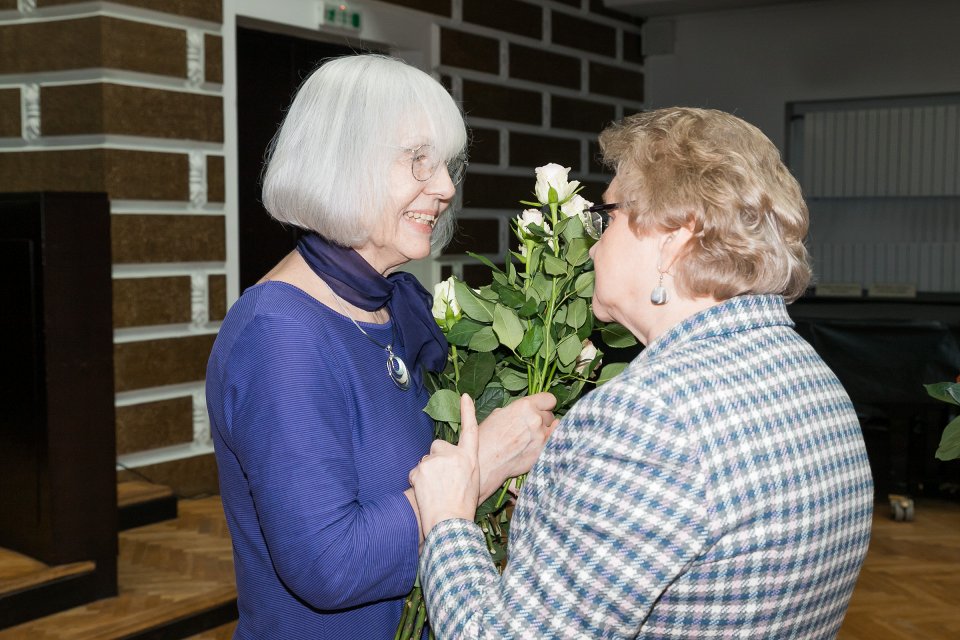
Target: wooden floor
909,587
167,571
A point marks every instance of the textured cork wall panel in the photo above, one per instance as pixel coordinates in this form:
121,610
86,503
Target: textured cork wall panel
215,179
10,124
188,477
485,191
216,298
469,51
579,33
483,100
93,42
8,4
154,424
581,115
141,302
212,58
105,108
210,10
505,15
154,363
145,175
537,65
527,150
80,170
613,81
439,7
167,238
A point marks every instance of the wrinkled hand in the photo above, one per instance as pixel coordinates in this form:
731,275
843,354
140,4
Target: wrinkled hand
447,481
512,438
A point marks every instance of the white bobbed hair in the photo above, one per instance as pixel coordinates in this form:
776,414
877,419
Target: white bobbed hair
328,166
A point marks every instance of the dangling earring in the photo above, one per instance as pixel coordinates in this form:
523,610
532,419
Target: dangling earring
659,295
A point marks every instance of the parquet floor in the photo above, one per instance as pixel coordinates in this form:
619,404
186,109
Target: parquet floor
167,571
909,587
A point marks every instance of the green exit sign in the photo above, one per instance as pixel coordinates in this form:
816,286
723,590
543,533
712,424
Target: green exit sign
342,15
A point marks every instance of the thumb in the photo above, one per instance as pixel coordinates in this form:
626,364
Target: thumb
469,432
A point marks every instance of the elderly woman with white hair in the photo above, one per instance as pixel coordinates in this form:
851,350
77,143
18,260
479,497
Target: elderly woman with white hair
719,486
315,386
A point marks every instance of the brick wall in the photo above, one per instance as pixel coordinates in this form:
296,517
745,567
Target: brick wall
538,80
127,97
128,100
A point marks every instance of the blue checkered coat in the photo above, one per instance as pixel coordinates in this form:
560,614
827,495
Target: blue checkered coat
718,488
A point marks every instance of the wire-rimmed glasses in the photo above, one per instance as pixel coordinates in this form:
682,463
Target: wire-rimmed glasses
424,163
595,218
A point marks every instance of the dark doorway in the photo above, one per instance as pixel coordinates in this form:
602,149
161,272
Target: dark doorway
270,68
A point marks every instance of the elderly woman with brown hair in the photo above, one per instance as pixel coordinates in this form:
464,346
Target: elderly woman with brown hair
719,486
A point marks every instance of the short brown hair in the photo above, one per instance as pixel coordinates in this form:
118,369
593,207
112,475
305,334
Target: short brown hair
678,166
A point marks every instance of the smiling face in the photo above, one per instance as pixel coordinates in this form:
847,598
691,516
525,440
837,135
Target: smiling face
404,231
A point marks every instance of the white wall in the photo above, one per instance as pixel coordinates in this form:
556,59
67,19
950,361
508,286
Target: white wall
753,61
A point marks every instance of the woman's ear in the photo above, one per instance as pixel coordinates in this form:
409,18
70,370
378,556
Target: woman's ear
672,245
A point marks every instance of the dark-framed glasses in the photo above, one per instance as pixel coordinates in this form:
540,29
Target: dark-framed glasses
424,163
595,218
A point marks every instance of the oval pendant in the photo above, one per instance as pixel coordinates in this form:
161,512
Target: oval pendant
398,371
658,296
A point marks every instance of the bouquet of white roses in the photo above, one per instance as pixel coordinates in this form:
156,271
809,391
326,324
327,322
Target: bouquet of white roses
525,332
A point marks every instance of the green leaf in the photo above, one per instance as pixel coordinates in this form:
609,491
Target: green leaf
532,340
577,313
535,205
945,391
569,349
472,305
573,229
476,372
584,284
511,272
484,340
541,285
486,261
578,252
461,333
610,371
491,398
560,315
616,335
533,259
512,380
510,297
530,307
554,266
444,406
949,448
586,329
507,326
552,195
487,293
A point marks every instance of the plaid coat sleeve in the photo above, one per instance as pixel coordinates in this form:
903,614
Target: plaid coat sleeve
612,513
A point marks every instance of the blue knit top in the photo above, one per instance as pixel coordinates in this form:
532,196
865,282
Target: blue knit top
314,443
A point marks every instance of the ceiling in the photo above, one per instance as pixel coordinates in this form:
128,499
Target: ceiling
644,8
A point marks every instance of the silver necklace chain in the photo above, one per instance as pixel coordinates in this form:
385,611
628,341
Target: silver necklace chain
396,367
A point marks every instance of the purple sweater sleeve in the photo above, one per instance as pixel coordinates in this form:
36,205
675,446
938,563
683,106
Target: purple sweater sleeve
292,431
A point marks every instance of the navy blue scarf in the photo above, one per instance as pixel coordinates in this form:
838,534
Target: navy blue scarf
352,278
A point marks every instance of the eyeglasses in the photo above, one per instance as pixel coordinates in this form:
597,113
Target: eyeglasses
595,218
424,163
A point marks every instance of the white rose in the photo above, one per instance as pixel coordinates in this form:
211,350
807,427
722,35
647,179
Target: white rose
575,206
443,298
532,216
587,355
553,175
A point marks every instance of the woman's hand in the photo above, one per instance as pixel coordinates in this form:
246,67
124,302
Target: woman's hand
446,483
512,438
